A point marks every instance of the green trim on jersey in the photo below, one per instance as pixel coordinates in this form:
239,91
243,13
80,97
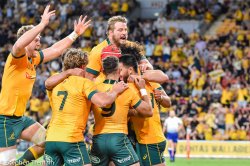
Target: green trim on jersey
92,71
41,57
109,81
91,94
137,104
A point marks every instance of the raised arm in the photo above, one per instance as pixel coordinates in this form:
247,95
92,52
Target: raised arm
103,99
59,47
56,79
19,47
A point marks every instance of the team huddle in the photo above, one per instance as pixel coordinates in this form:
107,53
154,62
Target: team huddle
115,81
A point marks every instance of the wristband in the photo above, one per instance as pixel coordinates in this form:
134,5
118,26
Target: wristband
143,92
73,36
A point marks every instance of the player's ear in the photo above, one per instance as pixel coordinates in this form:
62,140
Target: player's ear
130,70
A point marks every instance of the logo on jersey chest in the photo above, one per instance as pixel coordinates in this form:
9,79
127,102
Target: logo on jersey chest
30,76
30,73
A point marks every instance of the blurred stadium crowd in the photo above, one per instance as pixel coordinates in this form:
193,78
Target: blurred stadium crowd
210,74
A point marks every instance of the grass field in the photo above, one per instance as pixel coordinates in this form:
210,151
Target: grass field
209,162
196,162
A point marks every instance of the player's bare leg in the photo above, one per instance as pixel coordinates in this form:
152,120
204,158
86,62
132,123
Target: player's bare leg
35,134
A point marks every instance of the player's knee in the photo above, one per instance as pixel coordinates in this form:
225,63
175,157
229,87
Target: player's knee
39,137
8,157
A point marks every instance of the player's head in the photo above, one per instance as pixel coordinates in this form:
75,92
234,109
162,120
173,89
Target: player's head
74,58
110,65
132,48
23,29
128,65
35,44
117,30
171,114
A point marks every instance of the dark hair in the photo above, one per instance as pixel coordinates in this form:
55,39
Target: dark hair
110,64
129,61
133,48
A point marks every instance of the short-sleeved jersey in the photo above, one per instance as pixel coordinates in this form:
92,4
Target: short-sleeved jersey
172,124
70,103
114,118
95,63
17,83
149,130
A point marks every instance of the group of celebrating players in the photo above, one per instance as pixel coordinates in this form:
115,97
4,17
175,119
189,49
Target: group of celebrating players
115,81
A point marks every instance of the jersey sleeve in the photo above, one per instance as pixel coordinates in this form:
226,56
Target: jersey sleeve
19,61
39,58
89,88
135,95
94,66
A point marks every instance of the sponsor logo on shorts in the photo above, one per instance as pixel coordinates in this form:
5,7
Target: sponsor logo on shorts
124,159
75,160
48,159
12,136
94,159
145,156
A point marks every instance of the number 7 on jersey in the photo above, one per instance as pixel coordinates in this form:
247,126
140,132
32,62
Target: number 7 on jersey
65,95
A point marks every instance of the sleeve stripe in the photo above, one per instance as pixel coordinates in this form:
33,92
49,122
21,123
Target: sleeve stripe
92,71
91,94
159,88
17,57
41,57
137,104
